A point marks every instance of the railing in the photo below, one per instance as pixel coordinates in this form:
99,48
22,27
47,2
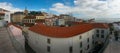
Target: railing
19,48
105,45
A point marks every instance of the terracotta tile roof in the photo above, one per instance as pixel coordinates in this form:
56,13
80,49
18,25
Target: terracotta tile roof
9,24
100,25
64,32
61,32
1,9
2,13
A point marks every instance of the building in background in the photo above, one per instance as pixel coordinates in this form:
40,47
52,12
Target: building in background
5,15
40,17
26,11
29,20
17,17
60,22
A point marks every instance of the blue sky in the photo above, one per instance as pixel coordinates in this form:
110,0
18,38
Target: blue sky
99,9
34,4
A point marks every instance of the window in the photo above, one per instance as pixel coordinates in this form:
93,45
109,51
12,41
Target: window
88,47
31,20
97,31
48,48
80,44
71,49
97,35
48,41
93,42
81,51
26,21
92,36
80,37
88,40
102,36
102,31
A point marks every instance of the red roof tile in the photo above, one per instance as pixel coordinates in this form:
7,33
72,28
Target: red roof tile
64,32
100,25
61,32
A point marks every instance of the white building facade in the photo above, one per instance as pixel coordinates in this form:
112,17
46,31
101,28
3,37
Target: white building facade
7,17
81,43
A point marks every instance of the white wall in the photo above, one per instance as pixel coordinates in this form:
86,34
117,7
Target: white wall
17,33
60,45
106,33
1,23
7,17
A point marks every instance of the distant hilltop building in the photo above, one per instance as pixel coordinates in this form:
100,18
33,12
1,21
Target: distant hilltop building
26,11
34,17
79,38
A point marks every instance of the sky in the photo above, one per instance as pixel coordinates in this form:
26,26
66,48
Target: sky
99,9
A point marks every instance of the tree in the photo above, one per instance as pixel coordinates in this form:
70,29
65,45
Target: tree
34,12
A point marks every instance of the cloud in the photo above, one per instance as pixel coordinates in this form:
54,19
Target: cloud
44,10
90,8
9,6
60,8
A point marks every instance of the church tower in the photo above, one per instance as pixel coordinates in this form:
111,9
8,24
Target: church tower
26,11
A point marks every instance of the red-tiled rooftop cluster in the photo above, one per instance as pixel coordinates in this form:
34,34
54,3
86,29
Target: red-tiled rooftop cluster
100,25
64,32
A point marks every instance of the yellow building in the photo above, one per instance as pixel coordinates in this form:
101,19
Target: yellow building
17,17
40,16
